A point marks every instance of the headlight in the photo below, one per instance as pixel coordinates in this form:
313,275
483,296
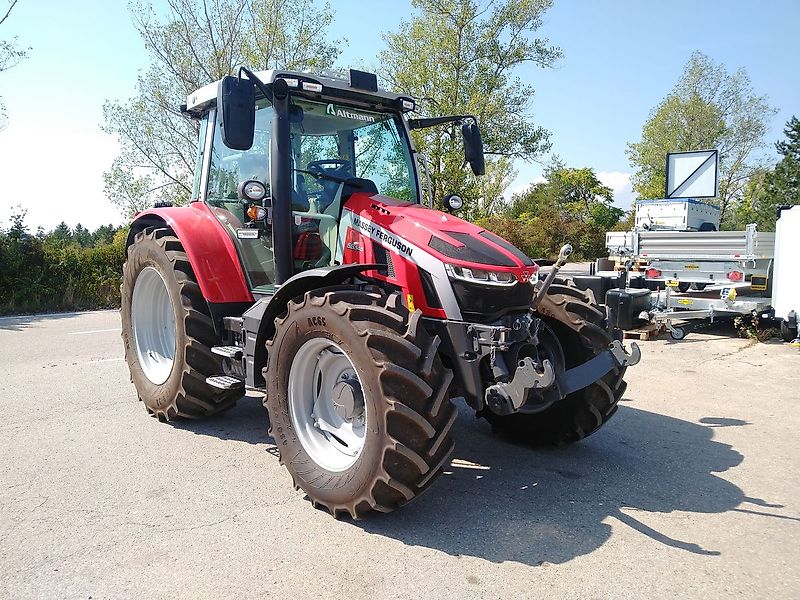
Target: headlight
252,190
453,202
257,213
481,276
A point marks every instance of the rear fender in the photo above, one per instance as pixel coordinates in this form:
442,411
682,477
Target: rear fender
210,249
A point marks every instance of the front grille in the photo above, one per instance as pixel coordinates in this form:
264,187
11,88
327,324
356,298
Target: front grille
486,303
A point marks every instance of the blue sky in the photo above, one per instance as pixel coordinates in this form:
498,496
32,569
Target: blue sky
620,59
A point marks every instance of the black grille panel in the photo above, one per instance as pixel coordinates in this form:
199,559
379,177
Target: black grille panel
486,303
474,250
431,295
496,239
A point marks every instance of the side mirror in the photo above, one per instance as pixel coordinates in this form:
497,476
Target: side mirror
473,148
236,103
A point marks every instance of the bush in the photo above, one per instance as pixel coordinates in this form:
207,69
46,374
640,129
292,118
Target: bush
542,235
43,273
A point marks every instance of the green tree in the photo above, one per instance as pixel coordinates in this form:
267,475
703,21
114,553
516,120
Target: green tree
574,193
197,43
103,235
18,230
571,205
769,188
784,181
81,236
10,55
61,235
707,108
462,57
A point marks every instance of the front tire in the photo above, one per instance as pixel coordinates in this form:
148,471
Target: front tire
168,332
579,325
358,400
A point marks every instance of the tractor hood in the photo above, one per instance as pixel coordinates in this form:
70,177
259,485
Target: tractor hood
447,237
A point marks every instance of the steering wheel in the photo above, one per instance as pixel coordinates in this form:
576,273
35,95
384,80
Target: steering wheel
336,170
336,167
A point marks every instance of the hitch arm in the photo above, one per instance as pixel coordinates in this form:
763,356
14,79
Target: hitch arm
563,255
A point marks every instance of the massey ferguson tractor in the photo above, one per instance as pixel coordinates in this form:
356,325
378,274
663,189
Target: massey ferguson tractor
307,268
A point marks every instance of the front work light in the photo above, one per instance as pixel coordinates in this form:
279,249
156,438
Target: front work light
252,190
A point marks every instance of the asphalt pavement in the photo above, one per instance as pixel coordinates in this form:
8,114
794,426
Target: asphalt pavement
691,491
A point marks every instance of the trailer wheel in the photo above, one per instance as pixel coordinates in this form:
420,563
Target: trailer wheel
579,325
167,331
677,332
684,286
358,400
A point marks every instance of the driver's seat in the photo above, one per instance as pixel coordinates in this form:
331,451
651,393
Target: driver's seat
300,195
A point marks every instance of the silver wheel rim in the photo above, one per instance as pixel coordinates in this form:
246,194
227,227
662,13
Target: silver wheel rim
326,405
153,324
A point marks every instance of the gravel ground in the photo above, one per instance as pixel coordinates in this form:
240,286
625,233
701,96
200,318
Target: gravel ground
692,490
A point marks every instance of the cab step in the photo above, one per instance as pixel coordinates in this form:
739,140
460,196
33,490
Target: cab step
225,382
232,352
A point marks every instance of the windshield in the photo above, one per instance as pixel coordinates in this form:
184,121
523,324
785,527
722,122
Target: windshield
347,142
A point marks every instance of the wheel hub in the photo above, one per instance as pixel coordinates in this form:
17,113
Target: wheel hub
153,325
326,404
348,400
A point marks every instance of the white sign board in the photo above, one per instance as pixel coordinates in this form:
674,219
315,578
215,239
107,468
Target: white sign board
692,174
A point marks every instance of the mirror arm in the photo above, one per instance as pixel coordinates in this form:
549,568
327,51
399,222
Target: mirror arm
433,121
265,89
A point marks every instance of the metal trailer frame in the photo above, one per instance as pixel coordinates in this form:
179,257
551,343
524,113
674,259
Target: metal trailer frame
704,257
666,308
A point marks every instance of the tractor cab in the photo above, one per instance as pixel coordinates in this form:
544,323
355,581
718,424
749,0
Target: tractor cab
340,141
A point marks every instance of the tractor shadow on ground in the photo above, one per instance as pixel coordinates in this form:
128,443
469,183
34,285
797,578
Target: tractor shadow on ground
245,422
503,502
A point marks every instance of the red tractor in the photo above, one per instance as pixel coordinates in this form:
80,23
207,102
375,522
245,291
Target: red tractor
305,268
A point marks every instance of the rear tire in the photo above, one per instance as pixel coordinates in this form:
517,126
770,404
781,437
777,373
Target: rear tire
168,351
580,326
398,442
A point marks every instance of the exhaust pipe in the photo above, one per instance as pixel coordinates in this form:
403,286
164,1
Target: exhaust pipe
563,256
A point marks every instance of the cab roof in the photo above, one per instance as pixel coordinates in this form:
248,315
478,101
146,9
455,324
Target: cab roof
356,85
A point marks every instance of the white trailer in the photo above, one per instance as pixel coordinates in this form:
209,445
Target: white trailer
786,272
737,299
678,214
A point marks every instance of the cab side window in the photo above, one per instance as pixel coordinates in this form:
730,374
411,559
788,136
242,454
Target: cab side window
227,170
230,167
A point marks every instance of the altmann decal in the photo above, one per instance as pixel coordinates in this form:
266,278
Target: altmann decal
348,114
381,235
